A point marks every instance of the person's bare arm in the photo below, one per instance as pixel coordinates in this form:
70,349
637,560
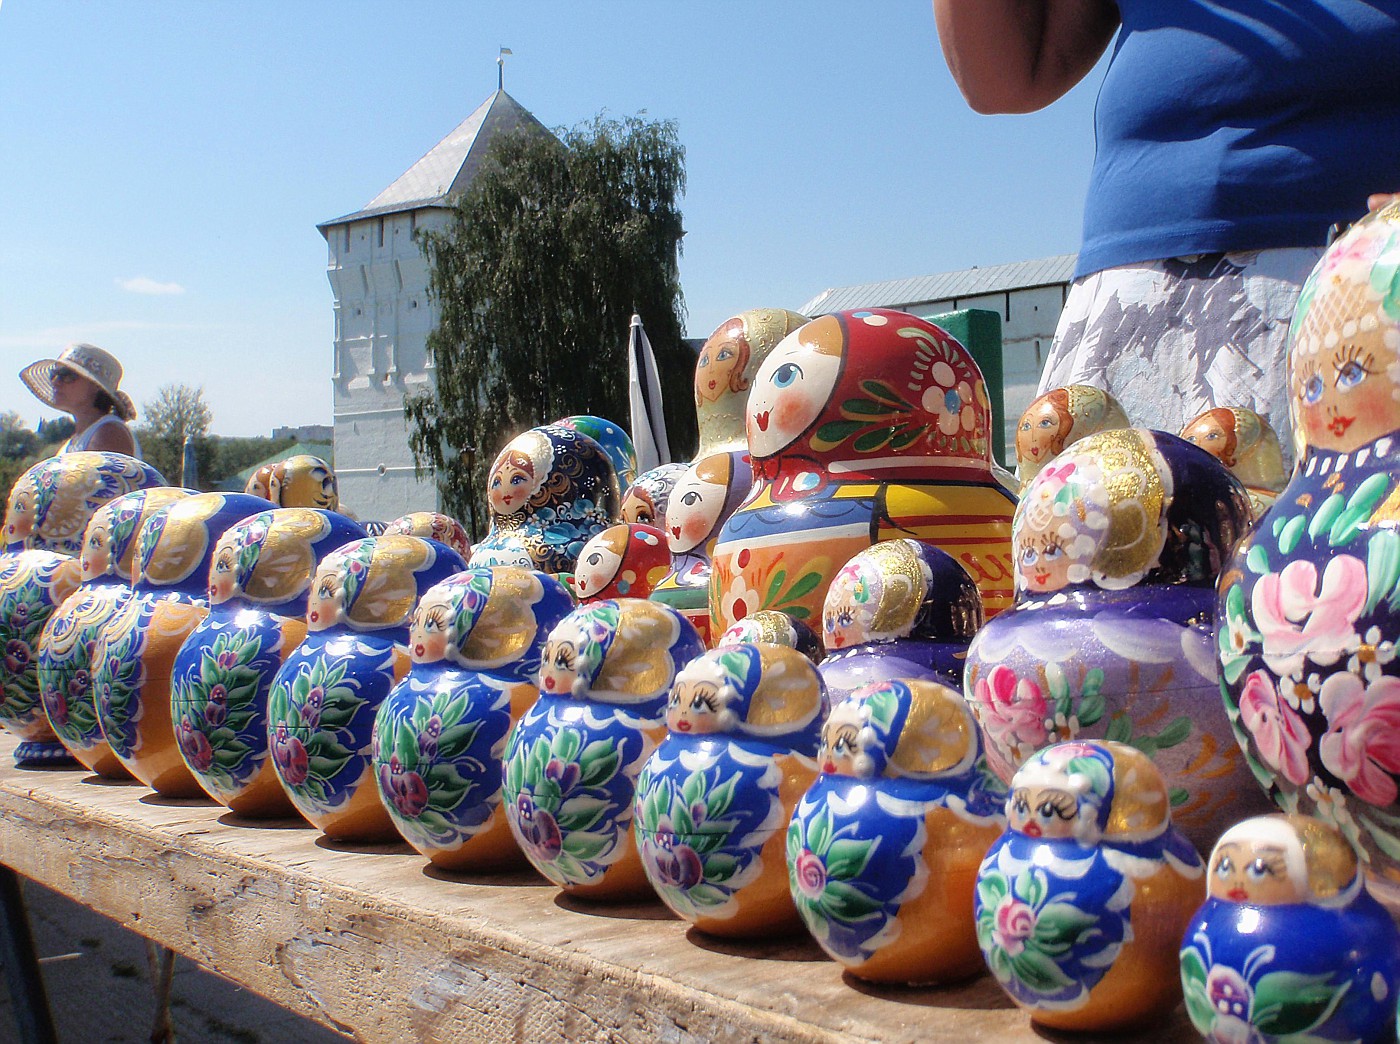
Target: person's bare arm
1021,55
113,438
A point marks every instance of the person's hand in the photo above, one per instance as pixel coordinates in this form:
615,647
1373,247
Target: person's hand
1381,199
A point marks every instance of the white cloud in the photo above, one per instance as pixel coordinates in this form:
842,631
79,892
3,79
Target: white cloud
144,285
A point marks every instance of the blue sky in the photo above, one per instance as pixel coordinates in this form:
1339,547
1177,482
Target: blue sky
166,163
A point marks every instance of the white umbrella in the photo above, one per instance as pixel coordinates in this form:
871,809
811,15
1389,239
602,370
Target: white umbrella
644,396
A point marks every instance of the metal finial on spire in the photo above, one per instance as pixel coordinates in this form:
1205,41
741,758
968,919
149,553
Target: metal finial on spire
501,68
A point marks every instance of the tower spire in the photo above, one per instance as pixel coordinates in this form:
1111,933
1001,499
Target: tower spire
501,68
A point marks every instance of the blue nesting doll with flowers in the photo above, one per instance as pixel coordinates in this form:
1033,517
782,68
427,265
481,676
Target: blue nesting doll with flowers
1081,904
475,643
1310,603
259,580
572,762
714,799
322,704
1289,946
550,490
136,650
884,848
616,443
65,647
49,508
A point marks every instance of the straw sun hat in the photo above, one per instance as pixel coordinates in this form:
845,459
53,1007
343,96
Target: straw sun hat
88,360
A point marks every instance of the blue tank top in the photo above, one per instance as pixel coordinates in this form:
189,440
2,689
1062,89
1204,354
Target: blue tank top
1241,125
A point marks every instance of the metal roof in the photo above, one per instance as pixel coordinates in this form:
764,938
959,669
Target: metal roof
945,286
448,167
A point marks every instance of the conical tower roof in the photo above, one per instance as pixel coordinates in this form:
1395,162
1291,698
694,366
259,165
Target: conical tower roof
448,167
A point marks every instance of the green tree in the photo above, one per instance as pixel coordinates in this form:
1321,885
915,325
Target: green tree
177,410
554,245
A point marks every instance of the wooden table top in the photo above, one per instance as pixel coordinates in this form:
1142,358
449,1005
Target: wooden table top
371,941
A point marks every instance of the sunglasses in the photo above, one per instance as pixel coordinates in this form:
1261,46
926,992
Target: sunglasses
63,377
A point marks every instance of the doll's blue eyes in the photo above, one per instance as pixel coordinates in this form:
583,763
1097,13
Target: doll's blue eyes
786,374
1312,390
1352,374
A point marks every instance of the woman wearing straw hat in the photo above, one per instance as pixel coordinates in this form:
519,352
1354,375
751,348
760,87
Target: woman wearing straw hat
83,382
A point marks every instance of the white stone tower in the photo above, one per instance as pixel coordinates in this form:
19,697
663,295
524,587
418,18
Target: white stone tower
379,279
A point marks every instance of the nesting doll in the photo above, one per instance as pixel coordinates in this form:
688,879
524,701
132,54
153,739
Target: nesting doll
324,697
135,651
303,481
259,580
1118,545
1289,946
434,526
259,483
1310,603
863,426
551,490
1057,419
49,508
440,737
883,850
771,627
899,609
623,561
616,443
1245,442
65,648
645,500
714,799
724,373
1081,904
701,500
51,503
572,762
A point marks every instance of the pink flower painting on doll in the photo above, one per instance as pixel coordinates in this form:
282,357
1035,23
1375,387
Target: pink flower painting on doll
1362,744
1278,731
1012,710
1300,621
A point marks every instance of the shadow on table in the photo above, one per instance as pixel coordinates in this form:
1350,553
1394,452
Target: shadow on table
979,993
358,848
509,877
651,910
160,801
793,947
94,780
233,819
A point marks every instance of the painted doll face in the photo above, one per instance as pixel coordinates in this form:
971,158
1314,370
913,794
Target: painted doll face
598,563
223,574
1042,556
1042,811
1254,871
720,367
789,392
511,484
694,707
840,748
1345,393
326,603
560,663
637,507
96,555
851,604
1039,436
693,511
19,519
428,630
1207,432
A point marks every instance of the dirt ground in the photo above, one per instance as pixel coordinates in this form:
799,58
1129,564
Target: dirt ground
100,990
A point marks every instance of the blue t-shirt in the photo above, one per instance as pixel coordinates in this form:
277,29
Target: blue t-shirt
1241,125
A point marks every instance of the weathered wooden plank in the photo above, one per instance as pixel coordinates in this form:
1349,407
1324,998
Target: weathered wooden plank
373,942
